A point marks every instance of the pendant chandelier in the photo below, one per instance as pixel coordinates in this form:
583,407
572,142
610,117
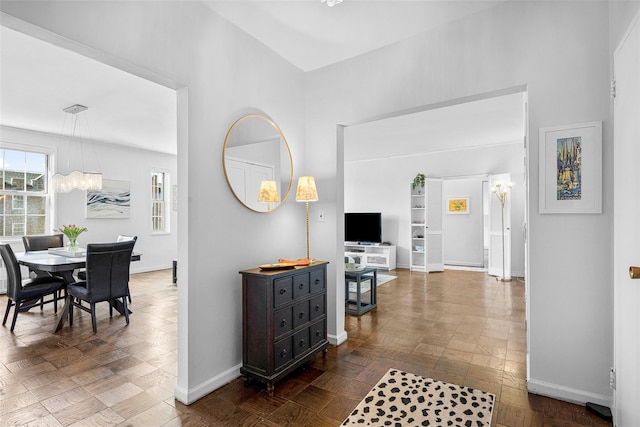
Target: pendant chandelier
331,3
76,179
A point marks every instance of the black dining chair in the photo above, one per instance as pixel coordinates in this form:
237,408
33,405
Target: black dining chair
25,294
42,242
107,279
82,274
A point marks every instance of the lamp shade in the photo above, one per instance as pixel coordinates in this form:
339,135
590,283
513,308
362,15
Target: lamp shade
306,191
268,192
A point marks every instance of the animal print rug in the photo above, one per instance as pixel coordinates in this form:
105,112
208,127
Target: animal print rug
404,399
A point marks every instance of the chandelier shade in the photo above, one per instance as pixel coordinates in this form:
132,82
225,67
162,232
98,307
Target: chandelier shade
76,179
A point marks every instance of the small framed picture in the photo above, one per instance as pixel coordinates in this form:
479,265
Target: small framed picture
458,205
571,168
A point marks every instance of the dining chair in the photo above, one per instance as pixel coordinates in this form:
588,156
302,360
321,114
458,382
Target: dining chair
28,293
42,242
107,279
82,274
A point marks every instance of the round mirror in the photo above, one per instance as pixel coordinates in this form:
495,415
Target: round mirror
257,163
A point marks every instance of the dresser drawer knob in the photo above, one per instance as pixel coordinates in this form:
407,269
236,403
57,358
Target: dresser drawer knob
283,353
301,315
318,333
317,307
283,323
301,343
283,291
301,286
317,281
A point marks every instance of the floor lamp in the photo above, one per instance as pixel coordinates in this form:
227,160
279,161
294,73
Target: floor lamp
501,194
306,193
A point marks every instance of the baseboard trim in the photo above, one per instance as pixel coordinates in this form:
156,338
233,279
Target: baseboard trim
463,264
337,339
188,396
567,394
147,269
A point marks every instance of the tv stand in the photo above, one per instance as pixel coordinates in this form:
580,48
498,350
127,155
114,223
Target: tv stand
372,255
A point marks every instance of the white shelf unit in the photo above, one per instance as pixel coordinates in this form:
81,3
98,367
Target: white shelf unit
418,258
380,256
427,252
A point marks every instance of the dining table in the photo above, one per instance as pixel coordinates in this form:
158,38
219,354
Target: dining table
49,262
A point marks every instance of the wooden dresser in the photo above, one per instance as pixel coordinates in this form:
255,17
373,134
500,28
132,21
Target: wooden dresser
284,320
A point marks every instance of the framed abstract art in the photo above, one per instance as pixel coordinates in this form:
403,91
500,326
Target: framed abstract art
113,201
458,205
571,169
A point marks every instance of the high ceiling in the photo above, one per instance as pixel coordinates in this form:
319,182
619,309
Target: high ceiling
311,35
38,79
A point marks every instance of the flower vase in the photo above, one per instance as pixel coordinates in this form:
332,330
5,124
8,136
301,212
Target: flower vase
73,244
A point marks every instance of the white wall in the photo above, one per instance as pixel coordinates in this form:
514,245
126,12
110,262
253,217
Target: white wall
221,73
384,185
560,50
118,163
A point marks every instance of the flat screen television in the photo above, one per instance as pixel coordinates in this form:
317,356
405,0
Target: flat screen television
363,227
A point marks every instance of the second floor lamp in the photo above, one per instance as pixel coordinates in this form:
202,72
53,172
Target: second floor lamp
501,193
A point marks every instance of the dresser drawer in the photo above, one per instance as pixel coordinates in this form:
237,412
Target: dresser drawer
301,342
317,307
283,353
300,314
300,285
282,322
317,333
316,280
282,291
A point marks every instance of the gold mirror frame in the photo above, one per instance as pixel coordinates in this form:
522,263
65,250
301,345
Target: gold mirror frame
247,144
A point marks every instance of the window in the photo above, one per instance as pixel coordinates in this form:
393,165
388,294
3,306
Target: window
159,182
23,193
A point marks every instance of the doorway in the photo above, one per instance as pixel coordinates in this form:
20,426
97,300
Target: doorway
464,238
382,156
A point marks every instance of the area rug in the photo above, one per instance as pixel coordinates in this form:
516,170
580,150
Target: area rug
401,399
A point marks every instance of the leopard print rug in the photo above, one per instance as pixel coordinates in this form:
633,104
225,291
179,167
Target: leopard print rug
401,399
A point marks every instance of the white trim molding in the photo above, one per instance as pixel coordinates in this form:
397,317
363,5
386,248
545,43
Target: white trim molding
337,339
188,396
567,394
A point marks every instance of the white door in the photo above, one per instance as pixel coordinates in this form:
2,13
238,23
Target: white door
626,228
434,246
499,223
245,178
237,176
